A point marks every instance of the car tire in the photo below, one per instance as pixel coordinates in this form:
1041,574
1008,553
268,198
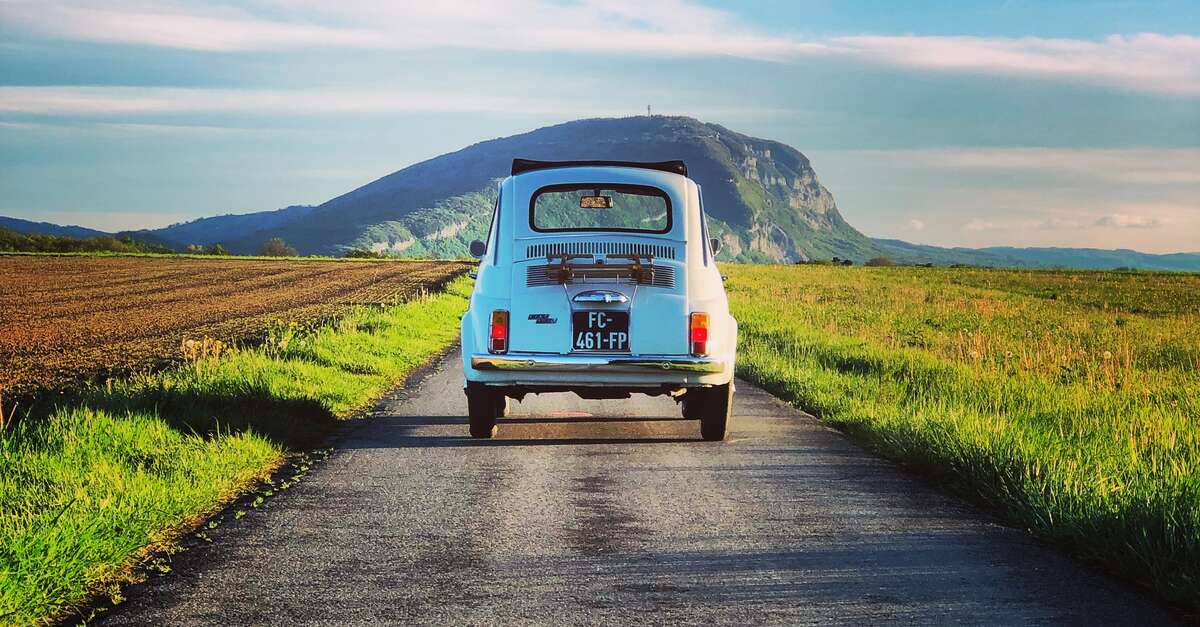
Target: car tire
716,405
482,404
691,404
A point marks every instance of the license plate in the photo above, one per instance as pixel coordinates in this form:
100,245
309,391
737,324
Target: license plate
600,331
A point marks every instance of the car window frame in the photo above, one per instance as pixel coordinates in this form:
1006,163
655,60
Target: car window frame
704,241
631,188
494,228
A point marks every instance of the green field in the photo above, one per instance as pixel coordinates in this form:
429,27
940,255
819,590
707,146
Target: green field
1068,402
89,484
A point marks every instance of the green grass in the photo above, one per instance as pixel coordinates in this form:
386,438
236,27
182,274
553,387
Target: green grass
1069,402
87,485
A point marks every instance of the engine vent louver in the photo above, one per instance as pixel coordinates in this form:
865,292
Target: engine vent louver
536,276
660,251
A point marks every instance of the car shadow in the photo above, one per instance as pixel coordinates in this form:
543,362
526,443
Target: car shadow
413,432
581,419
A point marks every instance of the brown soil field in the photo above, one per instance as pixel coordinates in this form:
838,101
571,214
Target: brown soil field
67,319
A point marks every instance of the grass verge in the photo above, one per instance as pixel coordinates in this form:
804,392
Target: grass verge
87,484
1076,418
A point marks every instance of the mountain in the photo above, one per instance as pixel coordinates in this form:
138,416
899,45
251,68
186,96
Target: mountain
1009,256
1097,259
29,227
763,199
764,196
206,231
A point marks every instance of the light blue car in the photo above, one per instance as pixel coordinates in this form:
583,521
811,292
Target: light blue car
598,278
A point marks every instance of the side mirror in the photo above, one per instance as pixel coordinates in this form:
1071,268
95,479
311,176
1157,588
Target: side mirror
716,245
478,249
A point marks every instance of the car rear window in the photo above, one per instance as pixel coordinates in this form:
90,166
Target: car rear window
598,207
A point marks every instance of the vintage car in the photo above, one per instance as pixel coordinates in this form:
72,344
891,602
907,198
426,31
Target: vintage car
599,278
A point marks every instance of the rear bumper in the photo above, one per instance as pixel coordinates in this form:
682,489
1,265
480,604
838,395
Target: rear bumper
597,363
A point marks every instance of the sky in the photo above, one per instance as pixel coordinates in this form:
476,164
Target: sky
1016,122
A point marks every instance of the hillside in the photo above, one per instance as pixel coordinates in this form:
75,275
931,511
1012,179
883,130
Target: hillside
29,227
765,196
15,241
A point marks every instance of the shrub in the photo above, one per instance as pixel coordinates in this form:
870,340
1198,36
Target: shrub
362,253
881,262
276,247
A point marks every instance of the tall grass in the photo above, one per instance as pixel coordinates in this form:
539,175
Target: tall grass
1073,412
86,484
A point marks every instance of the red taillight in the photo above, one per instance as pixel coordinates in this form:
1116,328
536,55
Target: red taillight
698,333
498,336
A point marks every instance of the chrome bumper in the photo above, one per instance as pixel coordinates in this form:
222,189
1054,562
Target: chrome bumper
596,363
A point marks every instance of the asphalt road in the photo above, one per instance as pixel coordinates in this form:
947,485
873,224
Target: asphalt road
614,512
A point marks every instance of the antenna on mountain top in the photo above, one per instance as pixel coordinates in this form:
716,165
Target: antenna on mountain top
648,114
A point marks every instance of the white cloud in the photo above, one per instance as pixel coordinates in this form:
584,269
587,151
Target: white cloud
1126,221
668,27
96,100
1056,224
978,224
1140,166
916,225
170,25
120,101
1143,61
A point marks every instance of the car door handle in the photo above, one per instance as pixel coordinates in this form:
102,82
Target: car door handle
600,296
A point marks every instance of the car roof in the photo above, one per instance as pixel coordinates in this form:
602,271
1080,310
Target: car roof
520,166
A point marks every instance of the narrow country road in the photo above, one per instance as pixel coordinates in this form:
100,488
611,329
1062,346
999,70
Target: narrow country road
614,512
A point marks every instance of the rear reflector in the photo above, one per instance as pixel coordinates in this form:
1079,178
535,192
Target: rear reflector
698,333
498,335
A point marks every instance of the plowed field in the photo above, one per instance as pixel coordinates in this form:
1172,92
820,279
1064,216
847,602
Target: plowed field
63,319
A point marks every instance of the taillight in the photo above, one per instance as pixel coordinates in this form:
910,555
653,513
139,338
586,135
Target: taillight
498,334
698,333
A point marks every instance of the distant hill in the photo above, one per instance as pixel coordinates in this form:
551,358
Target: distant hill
1092,258
766,200
14,241
46,228
1008,256
206,231
763,197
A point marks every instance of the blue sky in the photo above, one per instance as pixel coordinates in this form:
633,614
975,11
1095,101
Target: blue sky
962,123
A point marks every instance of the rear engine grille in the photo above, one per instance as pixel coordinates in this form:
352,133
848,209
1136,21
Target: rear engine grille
536,276
660,251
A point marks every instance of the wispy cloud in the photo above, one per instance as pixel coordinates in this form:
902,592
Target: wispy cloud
1126,221
1144,61
176,25
1142,166
136,102
1055,224
1140,216
105,101
978,224
668,27
916,225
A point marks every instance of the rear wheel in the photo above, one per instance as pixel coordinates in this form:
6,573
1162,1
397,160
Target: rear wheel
714,407
691,406
482,408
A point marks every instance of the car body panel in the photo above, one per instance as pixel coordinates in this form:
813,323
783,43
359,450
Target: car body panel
512,276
